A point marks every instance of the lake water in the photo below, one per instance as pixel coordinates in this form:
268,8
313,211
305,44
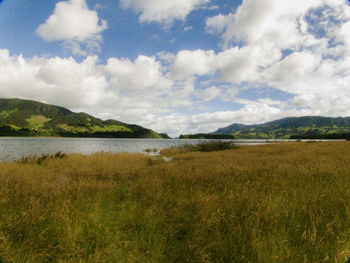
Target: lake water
14,148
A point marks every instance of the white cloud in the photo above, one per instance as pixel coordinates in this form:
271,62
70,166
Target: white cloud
188,28
265,22
214,7
55,80
188,63
163,11
73,23
143,73
301,48
234,65
208,94
218,24
254,113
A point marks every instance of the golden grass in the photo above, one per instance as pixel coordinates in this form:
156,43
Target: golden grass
273,203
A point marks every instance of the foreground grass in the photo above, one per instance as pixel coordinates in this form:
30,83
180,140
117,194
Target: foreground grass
273,203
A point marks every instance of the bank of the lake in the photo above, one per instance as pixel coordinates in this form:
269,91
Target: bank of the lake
285,202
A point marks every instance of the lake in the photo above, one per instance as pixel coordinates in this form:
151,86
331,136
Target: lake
14,148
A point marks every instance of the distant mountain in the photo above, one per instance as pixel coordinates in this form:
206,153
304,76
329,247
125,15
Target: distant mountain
307,127
31,118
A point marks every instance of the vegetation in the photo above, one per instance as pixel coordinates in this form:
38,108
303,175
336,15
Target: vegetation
37,121
31,118
300,128
206,136
272,203
200,147
165,136
329,136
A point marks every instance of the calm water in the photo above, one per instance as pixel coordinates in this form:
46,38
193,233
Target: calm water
14,148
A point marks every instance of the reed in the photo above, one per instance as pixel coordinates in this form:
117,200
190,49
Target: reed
285,202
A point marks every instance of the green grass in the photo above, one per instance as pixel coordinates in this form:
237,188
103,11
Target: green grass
110,128
272,203
14,127
74,129
92,129
5,114
37,121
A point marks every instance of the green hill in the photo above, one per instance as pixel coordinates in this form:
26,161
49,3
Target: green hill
308,127
31,118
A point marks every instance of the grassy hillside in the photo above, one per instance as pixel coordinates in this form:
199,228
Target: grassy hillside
273,203
30,118
302,127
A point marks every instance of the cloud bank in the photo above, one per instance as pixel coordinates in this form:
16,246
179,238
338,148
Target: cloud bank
300,49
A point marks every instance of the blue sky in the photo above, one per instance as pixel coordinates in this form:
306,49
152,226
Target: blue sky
124,37
179,66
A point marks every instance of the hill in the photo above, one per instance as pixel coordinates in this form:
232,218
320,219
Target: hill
31,118
308,127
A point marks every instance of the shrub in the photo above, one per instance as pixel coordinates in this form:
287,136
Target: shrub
40,159
206,146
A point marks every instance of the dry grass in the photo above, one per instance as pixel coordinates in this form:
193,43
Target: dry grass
273,203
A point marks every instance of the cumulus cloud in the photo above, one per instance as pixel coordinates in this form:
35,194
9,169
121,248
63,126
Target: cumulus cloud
54,80
208,94
188,63
144,73
122,89
160,11
234,65
301,48
253,113
73,23
266,22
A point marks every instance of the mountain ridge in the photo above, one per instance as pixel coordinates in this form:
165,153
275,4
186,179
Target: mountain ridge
307,127
20,117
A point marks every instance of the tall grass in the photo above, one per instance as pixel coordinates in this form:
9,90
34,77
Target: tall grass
272,203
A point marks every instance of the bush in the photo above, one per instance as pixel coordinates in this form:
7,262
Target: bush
214,146
40,159
206,146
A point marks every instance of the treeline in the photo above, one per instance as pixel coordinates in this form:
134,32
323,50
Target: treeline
6,130
9,131
329,136
206,136
115,134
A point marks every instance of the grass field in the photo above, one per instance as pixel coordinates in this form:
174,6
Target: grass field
110,128
5,114
37,121
285,202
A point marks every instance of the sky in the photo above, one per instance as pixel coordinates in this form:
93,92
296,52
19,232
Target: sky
179,66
